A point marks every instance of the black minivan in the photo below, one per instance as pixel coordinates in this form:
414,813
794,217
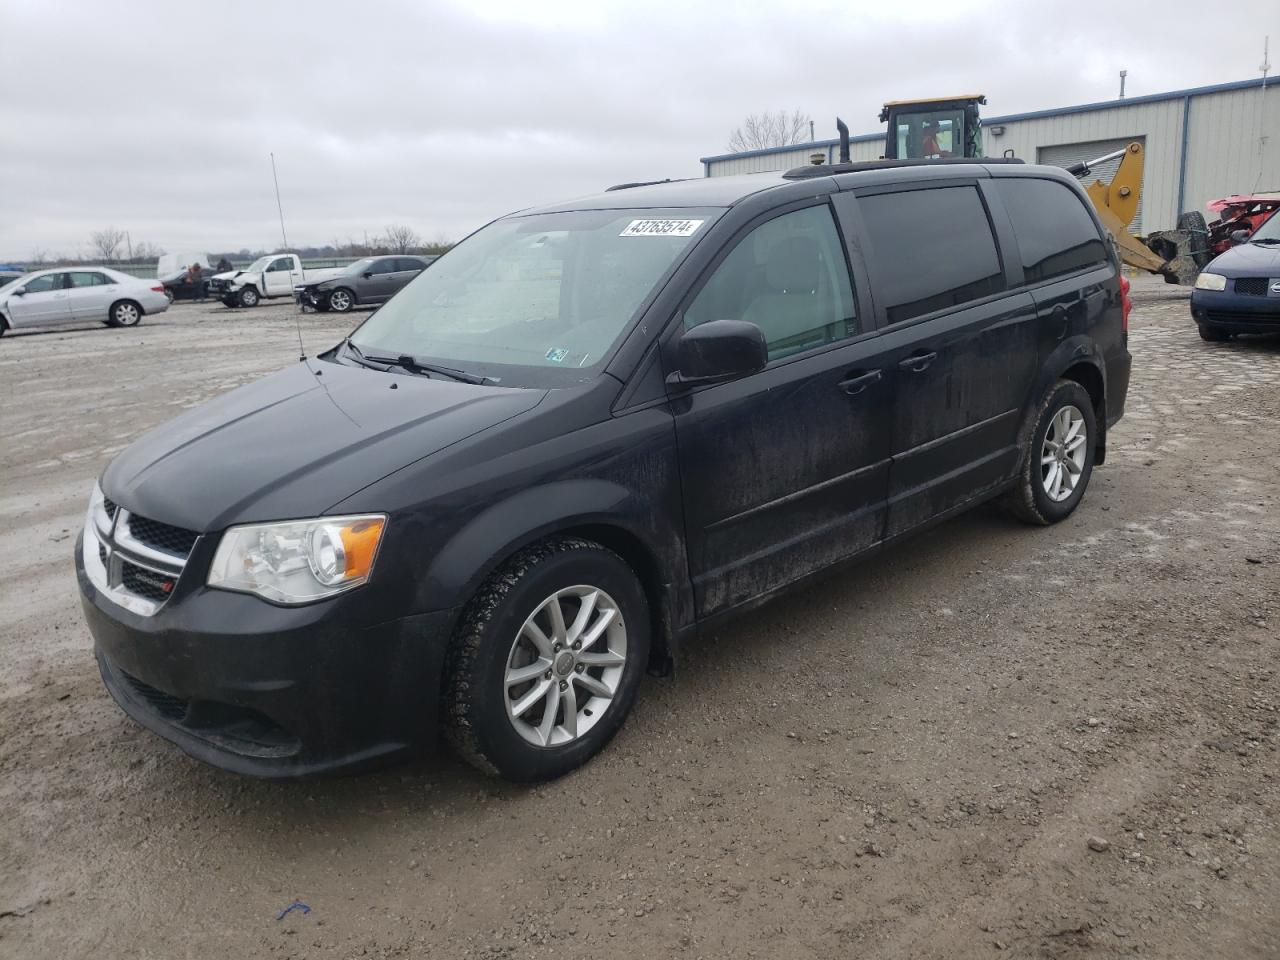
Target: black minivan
587,432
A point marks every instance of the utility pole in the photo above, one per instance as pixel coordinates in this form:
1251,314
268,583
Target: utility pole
129,243
276,180
1123,74
811,137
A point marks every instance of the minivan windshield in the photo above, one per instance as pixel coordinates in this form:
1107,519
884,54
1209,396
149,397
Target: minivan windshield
536,300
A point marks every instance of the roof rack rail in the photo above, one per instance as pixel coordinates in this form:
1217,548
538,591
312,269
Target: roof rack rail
830,169
642,183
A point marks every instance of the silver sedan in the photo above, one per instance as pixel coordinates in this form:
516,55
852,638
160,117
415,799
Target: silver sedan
65,296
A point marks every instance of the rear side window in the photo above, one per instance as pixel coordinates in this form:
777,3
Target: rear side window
933,249
788,276
1056,235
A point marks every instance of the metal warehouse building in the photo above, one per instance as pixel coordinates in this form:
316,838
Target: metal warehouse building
1200,144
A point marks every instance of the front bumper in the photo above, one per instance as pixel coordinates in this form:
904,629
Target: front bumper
1235,312
271,691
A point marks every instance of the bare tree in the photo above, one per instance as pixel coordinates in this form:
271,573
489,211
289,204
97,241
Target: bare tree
38,256
402,239
762,130
147,251
106,243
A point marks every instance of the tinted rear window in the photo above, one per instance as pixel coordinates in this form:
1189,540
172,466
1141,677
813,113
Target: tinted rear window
1056,235
933,249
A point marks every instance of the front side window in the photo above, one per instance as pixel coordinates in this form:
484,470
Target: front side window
283,264
50,281
383,266
537,299
933,249
789,277
1056,235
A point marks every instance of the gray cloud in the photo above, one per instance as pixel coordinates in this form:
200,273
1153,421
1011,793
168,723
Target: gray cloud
159,119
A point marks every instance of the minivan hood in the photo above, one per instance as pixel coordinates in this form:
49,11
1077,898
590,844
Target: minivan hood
1248,260
296,442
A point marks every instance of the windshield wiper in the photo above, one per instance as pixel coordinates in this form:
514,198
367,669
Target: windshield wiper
1267,240
406,362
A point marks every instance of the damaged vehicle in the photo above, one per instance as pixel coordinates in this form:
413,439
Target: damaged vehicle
588,432
1239,291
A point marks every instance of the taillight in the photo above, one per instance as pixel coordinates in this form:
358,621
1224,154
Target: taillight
1126,304
158,289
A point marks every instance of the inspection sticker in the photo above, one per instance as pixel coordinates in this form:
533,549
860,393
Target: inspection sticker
661,228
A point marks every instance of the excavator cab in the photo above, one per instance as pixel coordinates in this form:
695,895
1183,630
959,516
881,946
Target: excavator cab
923,129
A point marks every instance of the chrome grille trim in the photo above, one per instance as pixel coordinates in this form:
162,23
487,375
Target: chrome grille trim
109,546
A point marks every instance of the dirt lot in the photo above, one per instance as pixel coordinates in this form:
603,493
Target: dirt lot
909,760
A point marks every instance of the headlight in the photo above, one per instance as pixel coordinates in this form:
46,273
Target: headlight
1211,281
300,560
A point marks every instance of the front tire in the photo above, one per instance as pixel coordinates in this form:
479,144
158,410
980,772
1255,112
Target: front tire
341,300
1213,334
546,662
124,313
1059,458
248,297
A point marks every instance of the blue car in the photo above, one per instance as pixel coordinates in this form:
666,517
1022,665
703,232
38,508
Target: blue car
1239,291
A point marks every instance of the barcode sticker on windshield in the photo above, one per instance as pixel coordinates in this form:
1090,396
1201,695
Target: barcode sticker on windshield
661,228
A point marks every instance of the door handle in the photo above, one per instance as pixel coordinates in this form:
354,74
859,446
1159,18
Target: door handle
917,362
855,384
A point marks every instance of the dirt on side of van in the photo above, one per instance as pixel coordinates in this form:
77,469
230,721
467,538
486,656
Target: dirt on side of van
995,740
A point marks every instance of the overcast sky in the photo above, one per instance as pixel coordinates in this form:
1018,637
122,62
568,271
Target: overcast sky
159,117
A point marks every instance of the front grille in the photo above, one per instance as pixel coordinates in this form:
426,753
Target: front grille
102,553
110,507
1252,286
165,704
162,536
145,583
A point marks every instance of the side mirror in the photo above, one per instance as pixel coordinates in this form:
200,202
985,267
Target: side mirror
718,351
1240,236
20,292
367,274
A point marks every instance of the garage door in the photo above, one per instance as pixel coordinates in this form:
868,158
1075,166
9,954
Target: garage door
1065,154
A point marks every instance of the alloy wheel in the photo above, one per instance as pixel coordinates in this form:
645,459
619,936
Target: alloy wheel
1062,457
340,301
565,666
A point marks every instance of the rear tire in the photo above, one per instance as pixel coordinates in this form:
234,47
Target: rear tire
248,297
1197,237
1212,334
1053,480
124,313
500,724
341,300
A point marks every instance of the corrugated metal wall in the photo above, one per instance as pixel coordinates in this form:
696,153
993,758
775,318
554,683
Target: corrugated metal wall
1222,153
1222,157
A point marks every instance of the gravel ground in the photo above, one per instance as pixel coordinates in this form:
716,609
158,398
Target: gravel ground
992,741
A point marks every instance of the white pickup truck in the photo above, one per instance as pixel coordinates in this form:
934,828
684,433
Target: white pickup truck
272,276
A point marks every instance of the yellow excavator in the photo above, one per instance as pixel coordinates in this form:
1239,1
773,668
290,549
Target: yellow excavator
952,127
